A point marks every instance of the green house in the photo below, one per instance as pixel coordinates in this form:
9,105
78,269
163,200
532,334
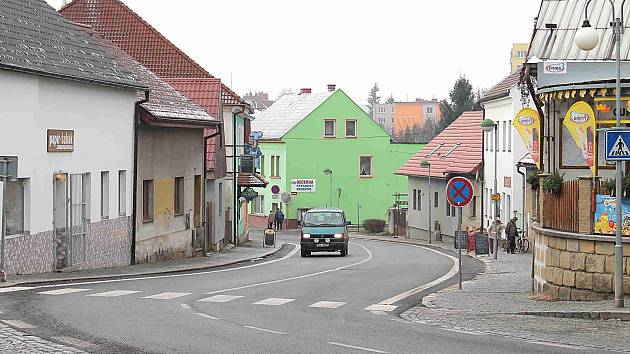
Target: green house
323,150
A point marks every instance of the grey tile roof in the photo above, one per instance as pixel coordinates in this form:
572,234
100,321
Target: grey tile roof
286,113
164,101
34,38
568,15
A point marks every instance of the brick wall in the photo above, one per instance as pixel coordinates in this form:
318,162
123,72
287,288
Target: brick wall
570,267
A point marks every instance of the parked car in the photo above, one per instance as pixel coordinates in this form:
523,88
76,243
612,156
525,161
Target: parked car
324,230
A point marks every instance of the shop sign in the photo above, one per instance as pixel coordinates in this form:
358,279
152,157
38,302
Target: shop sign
507,182
527,123
555,67
308,185
60,140
580,122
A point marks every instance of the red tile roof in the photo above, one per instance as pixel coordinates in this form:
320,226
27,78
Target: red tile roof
249,180
205,92
463,158
502,89
119,24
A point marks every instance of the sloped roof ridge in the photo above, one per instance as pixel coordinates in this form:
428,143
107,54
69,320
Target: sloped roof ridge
154,30
502,88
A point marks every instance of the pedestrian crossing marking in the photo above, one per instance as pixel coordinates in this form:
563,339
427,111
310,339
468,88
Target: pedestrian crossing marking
273,301
166,296
328,304
115,293
620,148
18,324
14,288
379,307
62,291
221,298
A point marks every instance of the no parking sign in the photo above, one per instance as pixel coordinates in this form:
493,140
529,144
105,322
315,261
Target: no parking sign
459,191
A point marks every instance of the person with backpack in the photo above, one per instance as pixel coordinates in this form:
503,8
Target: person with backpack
279,219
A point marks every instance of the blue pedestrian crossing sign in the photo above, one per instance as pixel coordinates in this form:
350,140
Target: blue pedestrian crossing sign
459,191
617,145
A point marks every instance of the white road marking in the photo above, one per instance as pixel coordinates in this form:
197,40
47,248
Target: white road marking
74,342
328,304
15,288
166,296
207,316
220,298
428,285
289,255
62,291
463,331
560,345
273,301
357,348
296,277
381,307
115,293
185,306
264,330
18,324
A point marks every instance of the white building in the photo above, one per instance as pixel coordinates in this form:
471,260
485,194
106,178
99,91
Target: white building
501,104
68,124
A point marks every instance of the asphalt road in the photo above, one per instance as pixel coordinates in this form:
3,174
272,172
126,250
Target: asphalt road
284,304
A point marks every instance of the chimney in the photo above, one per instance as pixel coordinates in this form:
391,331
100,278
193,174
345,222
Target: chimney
305,90
331,87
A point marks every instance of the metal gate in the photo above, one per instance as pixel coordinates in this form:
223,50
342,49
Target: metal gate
79,192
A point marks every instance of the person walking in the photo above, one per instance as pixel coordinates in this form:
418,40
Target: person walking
491,239
271,219
511,232
279,219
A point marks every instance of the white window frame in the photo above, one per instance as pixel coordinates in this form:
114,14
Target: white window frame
104,195
122,193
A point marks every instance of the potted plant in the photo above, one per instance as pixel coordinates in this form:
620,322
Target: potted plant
533,182
553,183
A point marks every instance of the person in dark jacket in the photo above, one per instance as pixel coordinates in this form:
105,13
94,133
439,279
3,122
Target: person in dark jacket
279,219
511,232
271,220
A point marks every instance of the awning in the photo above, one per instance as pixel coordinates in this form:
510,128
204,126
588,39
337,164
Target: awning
251,180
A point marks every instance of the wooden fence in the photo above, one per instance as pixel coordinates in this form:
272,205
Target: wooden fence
561,211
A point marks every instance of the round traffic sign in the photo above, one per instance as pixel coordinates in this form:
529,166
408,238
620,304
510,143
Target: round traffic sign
275,189
459,191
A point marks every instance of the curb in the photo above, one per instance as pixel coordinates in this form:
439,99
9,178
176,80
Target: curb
134,275
587,315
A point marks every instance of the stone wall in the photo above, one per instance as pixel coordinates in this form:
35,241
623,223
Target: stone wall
30,254
576,267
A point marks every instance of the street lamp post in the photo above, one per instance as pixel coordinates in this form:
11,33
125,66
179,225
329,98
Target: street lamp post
587,39
329,172
488,126
426,163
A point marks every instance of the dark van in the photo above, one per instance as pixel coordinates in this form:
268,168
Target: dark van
324,230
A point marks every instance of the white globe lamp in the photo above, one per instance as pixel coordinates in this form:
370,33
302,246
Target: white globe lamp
586,38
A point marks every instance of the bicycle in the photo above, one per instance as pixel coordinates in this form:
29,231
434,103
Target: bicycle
522,243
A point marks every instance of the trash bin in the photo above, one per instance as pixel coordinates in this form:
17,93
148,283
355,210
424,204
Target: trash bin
270,238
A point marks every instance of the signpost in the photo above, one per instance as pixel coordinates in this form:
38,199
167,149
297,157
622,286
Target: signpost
459,192
249,194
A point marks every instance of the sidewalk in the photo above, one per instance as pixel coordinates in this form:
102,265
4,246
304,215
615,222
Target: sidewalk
250,251
499,302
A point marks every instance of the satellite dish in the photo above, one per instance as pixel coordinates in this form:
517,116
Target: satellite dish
285,197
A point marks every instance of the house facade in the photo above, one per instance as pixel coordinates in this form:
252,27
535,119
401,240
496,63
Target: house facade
169,63
323,150
502,104
67,127
384,114
404,119
456,151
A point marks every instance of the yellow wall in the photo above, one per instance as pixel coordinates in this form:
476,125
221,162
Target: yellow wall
514,61
408,114
164,199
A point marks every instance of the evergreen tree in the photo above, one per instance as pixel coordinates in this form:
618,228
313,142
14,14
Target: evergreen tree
390,99
373,99
462,99
429,131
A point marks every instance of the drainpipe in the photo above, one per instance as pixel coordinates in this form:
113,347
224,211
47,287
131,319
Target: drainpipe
518,170
204,219
483,174
235,112
134,202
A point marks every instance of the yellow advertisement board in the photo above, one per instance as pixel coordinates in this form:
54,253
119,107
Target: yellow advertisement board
580,121
527,123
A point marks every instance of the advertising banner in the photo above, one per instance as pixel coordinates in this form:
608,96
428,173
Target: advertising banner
527,123
303,185
580,122
605,215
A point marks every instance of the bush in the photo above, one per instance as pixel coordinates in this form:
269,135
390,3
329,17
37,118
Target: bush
374,225
553,183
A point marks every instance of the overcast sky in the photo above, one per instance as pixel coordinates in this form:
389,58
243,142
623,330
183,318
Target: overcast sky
411,48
